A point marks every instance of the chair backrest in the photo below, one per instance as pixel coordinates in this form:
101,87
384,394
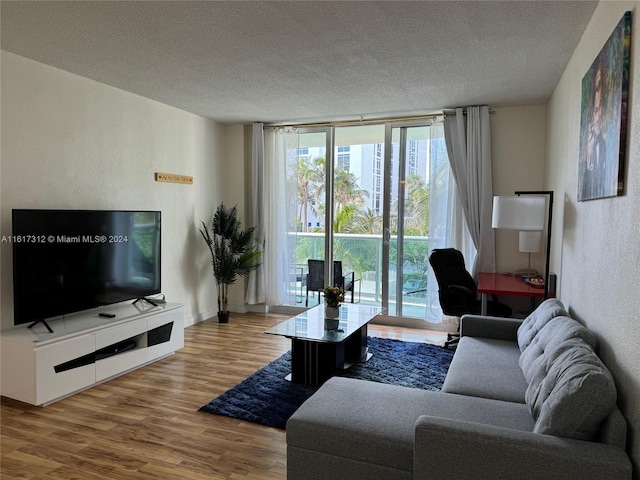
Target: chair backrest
338,278
315,279
449,269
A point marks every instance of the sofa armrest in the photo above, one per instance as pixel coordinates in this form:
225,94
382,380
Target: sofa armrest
499,328
449,448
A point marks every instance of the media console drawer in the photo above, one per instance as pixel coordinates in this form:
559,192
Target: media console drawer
120,363
51,384
112,335
164,334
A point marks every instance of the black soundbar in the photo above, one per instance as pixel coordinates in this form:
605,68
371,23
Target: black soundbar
115,349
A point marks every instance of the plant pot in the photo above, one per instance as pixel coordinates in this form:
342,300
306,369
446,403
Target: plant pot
223,317
331,312
331,320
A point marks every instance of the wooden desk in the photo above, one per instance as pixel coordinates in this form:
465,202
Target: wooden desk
504,284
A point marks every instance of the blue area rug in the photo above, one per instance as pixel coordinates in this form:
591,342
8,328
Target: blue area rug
268,399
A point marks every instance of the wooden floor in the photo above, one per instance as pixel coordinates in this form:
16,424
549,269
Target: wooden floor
146,423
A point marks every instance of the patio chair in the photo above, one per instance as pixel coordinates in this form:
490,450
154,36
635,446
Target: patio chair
316,283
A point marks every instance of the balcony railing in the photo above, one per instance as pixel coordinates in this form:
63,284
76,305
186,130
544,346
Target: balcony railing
363,255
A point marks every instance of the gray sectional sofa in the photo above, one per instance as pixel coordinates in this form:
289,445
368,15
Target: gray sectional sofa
522,399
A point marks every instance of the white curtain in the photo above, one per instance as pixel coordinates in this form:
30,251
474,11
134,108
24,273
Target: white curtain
256,292
468,139
447,227
279,200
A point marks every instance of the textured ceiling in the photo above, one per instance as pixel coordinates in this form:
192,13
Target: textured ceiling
243,61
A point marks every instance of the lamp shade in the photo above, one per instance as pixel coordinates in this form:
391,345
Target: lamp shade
518,213
529,241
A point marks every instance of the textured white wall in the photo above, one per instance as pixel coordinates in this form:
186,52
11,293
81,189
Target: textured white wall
69,142
597,251
518,149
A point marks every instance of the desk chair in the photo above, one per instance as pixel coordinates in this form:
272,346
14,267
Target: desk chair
316,283
457,290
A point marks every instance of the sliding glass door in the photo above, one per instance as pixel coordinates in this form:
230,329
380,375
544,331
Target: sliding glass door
358,183
407,224
340,177
364,199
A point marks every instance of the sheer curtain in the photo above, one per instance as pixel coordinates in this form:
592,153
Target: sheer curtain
447,227
256,292
468,139
279,215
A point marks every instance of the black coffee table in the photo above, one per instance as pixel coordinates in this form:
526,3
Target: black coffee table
318,354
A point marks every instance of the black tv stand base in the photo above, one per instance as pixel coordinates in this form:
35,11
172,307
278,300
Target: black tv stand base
44,322
145,299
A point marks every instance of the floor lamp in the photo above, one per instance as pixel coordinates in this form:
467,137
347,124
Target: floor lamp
525,212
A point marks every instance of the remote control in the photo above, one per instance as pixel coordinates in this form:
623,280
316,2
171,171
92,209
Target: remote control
107,315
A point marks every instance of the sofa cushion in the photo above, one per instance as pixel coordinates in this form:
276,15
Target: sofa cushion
364,421
487,368
571,392
531,325
485,411
554,332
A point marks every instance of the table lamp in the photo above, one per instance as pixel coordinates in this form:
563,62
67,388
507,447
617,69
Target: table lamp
525,213
518,213
529,242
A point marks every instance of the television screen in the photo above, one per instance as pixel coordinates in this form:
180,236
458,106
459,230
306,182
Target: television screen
71,260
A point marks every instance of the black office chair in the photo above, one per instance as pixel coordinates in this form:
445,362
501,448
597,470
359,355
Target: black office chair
457,291
316,283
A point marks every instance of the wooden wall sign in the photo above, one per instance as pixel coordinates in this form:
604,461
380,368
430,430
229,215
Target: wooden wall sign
174,178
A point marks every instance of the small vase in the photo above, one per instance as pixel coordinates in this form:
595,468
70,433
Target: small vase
331,320
331,312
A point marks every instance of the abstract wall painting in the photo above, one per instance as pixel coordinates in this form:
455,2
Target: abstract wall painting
603,126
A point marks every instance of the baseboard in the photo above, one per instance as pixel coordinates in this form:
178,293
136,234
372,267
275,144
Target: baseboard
258,308
448,324
200,317
213,312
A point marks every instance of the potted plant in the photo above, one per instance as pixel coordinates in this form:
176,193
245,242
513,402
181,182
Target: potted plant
232,253
332,298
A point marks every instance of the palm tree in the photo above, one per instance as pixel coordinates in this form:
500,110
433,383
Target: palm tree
343,218
305,176
417,206
346,189
310,179
366,222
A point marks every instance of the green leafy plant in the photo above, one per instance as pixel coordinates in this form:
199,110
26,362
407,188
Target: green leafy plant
233,254
333,296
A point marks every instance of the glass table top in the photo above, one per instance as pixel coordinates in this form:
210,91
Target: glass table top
309,325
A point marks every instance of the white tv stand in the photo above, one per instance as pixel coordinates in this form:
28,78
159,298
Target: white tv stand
86,349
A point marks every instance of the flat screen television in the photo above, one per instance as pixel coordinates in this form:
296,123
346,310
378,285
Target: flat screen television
66,261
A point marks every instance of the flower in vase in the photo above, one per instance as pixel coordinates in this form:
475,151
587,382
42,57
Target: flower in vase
333,296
